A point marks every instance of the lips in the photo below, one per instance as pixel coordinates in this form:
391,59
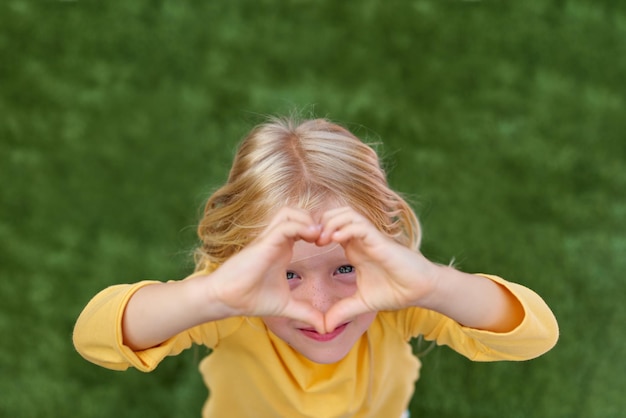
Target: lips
314,335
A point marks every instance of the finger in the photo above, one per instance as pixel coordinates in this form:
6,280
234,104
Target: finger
303,312
293,224
360,231
343,311
337,214
287,214
337,219
295,231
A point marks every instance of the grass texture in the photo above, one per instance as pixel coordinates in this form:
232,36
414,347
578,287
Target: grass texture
503,122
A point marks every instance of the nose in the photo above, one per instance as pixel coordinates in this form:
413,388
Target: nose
319,291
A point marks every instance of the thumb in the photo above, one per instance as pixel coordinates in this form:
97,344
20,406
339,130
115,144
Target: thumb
344,311
306,313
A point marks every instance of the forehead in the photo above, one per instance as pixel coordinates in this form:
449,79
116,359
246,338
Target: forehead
305,253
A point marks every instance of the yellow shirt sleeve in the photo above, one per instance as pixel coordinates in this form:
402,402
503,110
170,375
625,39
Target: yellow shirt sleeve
98,333
536,334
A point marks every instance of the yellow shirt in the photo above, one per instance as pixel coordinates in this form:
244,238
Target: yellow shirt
253,373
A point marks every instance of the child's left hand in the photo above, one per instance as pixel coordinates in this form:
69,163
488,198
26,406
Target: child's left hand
389,275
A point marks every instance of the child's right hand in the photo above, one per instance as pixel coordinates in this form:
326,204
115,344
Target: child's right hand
253,282
250,283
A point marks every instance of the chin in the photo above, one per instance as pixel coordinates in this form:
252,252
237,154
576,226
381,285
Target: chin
321,357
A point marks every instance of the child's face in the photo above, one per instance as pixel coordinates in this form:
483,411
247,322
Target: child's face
320,276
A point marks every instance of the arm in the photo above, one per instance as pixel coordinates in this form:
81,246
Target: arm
251,283
536,334
98,335
159,311
140,324
472,301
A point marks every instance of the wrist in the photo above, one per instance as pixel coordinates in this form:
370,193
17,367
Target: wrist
434,283
201,297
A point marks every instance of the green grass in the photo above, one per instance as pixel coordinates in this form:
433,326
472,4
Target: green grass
503,122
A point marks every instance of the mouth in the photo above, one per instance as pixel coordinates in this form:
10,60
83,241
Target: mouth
314,335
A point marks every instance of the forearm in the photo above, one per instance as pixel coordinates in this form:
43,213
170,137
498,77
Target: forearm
159,311
473,301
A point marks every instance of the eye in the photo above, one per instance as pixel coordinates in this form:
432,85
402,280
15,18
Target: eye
292,275
347,269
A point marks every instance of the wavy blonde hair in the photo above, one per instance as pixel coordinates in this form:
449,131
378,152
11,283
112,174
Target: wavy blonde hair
303,164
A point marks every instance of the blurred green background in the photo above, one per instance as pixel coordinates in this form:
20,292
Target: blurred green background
502,121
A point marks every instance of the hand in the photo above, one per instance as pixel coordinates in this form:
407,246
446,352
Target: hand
253,282
390,276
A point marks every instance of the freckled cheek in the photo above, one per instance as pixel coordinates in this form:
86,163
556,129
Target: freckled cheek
346,289
367,318
363,321
279,326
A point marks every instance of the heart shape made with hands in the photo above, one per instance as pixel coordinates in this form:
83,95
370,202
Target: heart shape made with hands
385,270
366,290
310,305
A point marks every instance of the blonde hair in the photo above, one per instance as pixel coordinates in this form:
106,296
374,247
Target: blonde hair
302,164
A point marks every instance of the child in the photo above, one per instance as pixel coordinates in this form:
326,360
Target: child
308,286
